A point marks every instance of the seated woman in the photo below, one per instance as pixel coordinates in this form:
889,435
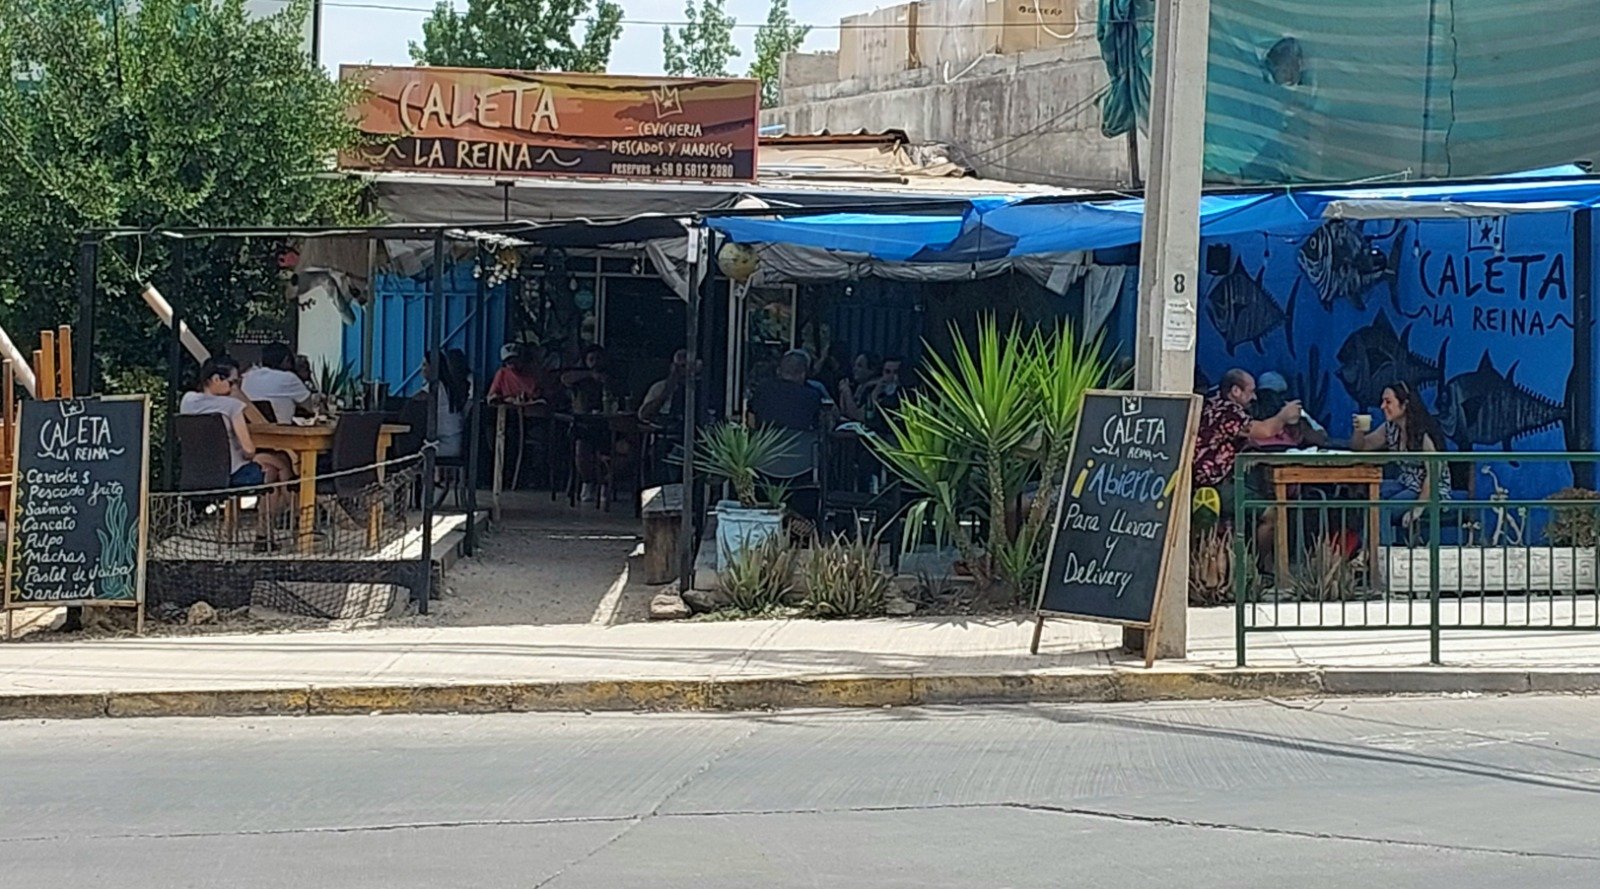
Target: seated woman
1407,428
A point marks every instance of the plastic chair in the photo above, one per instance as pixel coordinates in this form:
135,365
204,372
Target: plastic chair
203,448
355,446
205,464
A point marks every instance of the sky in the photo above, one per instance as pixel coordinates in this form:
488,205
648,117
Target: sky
357,32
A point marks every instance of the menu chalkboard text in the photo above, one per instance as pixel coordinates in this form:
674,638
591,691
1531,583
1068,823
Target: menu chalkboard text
1125,477
77,529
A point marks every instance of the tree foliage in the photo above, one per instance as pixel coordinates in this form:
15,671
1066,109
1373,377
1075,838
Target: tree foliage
174,114
703,45
522,35
778,37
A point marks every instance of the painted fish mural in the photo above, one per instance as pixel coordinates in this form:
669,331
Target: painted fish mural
1342,262
1244,312
1484,407
1374,356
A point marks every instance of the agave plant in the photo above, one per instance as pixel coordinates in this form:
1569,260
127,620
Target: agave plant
759,579
995,417
843,579
736,453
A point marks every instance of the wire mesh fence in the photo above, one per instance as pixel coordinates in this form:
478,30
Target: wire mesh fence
349,548
1344,543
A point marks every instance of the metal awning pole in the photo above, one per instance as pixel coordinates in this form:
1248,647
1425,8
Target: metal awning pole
432,324
476,336
180,272
88,272
691,348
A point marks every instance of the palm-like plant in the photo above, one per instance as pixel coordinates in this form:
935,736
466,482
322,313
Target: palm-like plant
995,417
736,453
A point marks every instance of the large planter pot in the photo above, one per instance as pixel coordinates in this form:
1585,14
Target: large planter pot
740,528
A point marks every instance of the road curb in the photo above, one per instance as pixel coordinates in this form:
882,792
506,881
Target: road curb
1106,685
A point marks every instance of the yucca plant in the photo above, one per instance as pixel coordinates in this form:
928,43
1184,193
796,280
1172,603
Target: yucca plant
736,453
997,416
843,579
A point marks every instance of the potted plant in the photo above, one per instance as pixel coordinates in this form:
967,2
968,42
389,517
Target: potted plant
735,454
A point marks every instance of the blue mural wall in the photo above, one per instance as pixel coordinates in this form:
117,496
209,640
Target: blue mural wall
1476,314
398,313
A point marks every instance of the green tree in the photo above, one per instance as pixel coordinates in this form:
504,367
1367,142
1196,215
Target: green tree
703,46
522,35
777,38
177,113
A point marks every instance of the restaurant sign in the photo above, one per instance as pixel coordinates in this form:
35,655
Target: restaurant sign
509,123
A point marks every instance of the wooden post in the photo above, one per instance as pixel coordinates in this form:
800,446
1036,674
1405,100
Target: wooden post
8,404
64,363
47,366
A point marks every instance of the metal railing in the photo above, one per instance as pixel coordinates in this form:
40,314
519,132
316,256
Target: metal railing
1333,542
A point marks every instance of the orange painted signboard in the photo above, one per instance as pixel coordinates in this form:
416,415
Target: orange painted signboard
511,123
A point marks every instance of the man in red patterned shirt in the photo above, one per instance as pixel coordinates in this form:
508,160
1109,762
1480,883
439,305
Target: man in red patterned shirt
1226,428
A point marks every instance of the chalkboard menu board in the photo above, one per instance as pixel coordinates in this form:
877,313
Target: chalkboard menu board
77,529
1129,466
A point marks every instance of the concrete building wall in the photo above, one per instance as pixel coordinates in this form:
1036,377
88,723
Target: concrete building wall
802,69
1025,118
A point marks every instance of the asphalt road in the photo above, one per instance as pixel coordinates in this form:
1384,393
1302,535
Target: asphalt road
1452,794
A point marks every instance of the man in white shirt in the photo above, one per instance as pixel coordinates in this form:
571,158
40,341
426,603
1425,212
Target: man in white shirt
275,382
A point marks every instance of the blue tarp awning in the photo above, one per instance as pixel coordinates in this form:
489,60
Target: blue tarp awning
999,228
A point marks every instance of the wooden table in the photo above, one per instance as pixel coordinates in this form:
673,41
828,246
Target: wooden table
1368,475
306,442
502,410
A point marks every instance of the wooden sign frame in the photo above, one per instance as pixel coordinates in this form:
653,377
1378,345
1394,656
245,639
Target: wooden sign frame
1182,494
11,606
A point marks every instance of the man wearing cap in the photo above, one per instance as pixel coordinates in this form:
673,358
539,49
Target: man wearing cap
1272,393
517,380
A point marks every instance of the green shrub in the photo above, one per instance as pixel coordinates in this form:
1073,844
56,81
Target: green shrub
1574,525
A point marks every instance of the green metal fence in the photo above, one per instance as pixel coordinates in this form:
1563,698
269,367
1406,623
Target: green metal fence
1318,546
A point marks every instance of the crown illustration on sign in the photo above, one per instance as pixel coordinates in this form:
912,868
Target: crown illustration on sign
668,101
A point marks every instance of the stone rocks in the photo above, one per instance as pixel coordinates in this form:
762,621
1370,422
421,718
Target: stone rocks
704,601
201,613
668,606
899,606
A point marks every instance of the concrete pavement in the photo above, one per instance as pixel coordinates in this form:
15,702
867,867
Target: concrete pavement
1421,793
747,664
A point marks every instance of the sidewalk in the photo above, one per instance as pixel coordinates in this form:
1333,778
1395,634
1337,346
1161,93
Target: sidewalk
749,664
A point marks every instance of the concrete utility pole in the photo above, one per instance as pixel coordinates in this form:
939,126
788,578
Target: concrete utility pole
1169,261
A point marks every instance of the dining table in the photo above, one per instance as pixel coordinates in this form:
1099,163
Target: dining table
1363,475
306,443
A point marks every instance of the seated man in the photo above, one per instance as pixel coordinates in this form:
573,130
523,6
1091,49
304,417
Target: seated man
1272,393
275,382
663,401
788,401
1226,428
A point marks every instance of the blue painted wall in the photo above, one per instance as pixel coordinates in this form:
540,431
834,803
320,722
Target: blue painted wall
1478,313
397,313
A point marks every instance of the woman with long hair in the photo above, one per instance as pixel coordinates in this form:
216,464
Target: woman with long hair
1407,428
448,375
